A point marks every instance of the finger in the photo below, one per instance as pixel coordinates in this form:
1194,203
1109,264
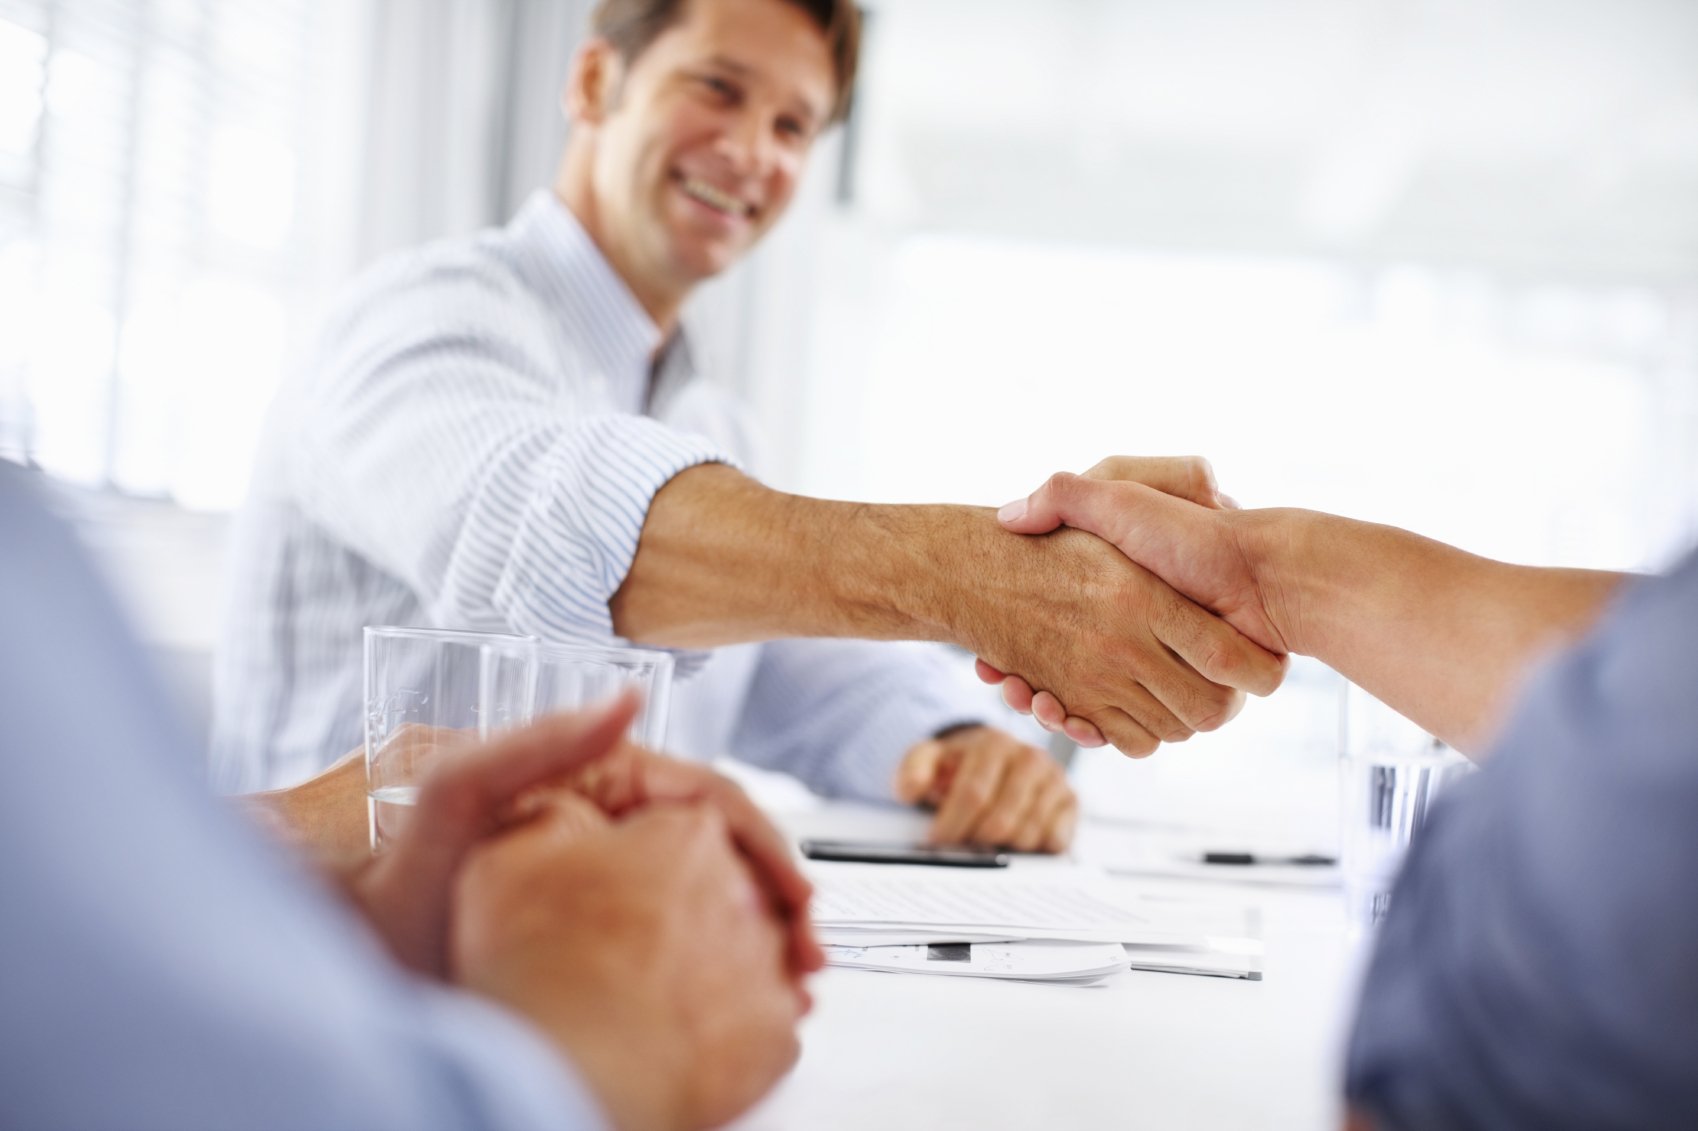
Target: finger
1083,733
1037,830
471,786
918,771
1049,712
768,854
1219,653
977,780
1022,784
1103,507
1053,717
1154,703
564,818
1125,733
987,673
1017,693
1061,819
1186,477
663,779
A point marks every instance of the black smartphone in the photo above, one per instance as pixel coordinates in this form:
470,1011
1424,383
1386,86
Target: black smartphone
869,852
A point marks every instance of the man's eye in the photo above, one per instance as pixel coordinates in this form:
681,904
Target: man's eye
719,87
791,128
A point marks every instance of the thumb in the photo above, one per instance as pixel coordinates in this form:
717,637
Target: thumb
470,788
918,771
1099,506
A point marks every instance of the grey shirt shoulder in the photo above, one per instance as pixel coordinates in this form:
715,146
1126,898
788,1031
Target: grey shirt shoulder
1539,965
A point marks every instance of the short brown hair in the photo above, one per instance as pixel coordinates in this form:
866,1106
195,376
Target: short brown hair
632,25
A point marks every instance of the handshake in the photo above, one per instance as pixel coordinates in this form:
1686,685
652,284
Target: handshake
1165,628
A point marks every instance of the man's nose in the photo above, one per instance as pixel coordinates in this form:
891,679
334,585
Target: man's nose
748,144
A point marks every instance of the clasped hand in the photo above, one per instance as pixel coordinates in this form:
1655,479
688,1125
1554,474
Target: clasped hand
1167,516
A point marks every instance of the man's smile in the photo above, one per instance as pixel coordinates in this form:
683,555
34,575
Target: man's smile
715,198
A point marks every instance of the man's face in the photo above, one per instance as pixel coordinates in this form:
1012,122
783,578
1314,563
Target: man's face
706,137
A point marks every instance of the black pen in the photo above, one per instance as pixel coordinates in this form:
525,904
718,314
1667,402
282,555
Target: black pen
1242,858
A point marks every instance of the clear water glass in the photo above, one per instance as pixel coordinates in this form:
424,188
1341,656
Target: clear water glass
572,677
1391,772
428,691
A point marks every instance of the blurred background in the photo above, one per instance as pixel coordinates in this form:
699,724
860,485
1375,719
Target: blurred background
1426,262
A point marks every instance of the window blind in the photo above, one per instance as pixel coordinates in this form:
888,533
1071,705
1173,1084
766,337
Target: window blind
152,249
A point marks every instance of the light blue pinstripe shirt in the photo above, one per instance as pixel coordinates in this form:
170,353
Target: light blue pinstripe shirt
476,446
159,965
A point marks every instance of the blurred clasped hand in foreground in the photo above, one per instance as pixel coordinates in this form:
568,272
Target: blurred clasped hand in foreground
475,791
646,946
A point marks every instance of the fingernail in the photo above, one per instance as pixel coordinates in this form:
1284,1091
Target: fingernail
1013,512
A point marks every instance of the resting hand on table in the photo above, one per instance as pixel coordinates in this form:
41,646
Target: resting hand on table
1167,516
989,788
476,790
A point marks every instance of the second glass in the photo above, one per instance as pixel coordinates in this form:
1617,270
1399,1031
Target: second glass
572,677
1391,772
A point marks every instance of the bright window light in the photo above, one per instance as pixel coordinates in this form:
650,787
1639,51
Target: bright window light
22,55
152,259
68,386
252,187
1406,396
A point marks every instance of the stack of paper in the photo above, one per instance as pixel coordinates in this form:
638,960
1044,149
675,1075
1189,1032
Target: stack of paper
875,917
1029,961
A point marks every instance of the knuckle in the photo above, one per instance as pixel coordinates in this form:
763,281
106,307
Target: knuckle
1215,708
1111,468
1217,660
1178,732
1200,475
1136,745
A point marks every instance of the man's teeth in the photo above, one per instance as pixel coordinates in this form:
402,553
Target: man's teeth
715,198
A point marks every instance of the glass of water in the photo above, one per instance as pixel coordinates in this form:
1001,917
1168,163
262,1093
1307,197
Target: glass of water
1391,772
570,678
426,692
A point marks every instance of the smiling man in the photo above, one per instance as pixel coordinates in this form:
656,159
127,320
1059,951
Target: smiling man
508,433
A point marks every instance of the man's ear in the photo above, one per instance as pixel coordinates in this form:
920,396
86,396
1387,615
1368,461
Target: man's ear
592,88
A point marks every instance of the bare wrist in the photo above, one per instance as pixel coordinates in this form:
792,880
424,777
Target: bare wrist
1276,545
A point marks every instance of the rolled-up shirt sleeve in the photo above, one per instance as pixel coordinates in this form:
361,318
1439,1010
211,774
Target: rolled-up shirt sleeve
446,449
840,714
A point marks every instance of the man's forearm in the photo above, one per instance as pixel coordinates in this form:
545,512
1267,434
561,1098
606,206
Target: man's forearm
724,560
1440,635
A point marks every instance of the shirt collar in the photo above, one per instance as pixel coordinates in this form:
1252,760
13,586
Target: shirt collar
598,310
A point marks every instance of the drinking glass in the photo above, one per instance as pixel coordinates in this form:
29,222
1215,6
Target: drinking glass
572,677
427,691
1391,772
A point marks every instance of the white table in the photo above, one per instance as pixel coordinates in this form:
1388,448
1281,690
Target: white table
894,1052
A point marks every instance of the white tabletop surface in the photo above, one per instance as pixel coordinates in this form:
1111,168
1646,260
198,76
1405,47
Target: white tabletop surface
1170,1051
